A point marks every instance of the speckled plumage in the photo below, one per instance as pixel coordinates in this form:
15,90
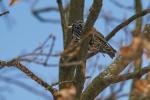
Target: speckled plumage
97,41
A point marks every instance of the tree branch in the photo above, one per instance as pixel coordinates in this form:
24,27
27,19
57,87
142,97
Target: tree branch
4,13
80,70
93,15
137,32
126,22
67,74
118,78
138,8
37,12
132,75
63,20
21,67
98,82
76,12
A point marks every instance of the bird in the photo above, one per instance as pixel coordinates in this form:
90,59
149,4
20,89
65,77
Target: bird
97,41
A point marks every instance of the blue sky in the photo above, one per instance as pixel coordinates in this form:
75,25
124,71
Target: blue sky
20,32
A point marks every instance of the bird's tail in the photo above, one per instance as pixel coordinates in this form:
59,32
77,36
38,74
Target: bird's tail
108,49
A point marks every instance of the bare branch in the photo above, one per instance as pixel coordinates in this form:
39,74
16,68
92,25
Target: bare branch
40,55
126,22
138,8
21,67
132,75
93,15
65,74
4,13
137,32
63,20
37,12
50,50
115,68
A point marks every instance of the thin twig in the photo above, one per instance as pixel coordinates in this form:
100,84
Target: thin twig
63,20
50,50
37,12
4,13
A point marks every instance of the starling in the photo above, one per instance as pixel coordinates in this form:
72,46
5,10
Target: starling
97,42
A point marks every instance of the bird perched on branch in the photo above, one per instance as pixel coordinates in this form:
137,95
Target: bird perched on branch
97,42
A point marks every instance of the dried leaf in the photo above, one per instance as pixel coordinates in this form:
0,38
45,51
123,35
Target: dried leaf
66,94
133,48
142,87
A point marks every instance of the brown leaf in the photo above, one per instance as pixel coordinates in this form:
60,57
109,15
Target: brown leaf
142,87
66,94
133,48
